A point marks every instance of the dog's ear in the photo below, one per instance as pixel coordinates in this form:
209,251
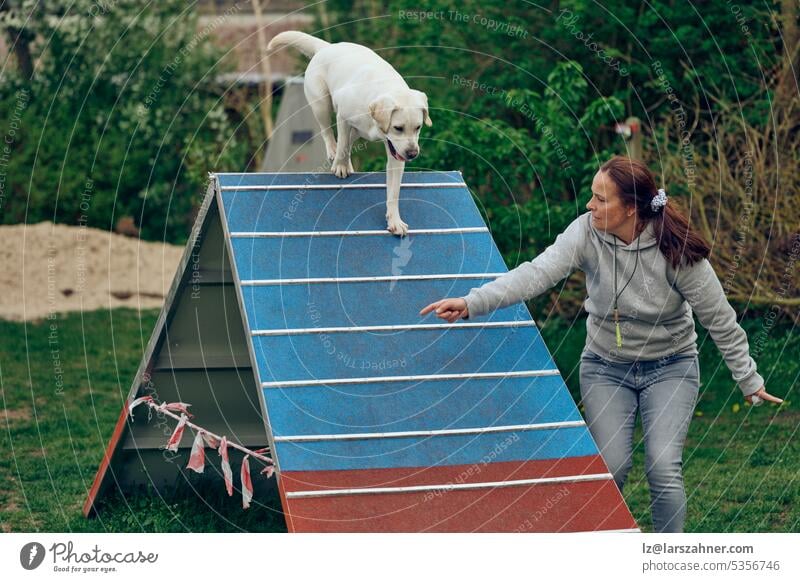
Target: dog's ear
381,110
426,119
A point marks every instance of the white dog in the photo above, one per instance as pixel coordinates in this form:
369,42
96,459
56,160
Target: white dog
371,101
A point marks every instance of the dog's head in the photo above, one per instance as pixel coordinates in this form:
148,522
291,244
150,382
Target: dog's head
400,117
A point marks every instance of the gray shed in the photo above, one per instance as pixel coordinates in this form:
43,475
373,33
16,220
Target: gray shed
296,144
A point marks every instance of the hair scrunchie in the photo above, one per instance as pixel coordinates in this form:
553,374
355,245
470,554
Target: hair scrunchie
659,201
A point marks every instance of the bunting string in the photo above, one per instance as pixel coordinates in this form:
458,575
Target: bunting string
203,438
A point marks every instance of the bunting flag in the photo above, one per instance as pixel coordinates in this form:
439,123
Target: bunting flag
137,402
269,469
175,407
211,440
197,458
175,439
247,484
226,466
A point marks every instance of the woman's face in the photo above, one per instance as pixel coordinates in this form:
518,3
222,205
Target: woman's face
608,212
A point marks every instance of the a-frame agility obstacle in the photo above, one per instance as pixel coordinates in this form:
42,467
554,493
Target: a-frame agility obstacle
293,322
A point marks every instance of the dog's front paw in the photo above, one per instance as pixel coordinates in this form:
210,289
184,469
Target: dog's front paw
396,226
342,170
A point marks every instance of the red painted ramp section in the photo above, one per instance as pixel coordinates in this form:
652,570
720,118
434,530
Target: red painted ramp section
562,495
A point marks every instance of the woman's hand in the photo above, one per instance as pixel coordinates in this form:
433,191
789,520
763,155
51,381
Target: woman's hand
762,395
450,309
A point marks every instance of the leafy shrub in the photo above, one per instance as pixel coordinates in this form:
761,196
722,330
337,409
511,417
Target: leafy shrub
121,117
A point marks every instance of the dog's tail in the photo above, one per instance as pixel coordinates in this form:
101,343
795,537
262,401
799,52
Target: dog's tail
305,43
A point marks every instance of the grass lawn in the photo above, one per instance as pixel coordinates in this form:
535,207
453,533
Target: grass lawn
62,384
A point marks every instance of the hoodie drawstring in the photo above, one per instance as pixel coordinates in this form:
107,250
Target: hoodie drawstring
617,295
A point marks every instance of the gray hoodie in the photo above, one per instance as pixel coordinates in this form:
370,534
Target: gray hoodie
655,309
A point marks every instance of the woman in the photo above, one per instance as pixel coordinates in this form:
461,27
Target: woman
646,271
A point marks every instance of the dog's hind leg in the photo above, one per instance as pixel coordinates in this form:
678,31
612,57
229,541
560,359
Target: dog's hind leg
319,100
341,163
394,176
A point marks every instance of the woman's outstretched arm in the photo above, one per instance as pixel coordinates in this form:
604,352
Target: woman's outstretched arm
526,281
533,277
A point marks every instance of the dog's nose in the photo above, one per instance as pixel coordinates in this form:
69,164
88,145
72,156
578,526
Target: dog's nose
411,154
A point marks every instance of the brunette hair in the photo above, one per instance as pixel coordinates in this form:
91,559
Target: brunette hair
636,185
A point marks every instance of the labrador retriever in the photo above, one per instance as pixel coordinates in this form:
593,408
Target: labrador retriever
371,101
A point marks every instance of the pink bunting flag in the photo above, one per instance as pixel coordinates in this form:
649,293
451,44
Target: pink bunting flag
137,402
211,441
226,466
197,459
175,439
269,470
247,483
181,407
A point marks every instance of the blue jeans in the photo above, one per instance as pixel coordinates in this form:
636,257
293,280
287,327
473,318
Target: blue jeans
665,393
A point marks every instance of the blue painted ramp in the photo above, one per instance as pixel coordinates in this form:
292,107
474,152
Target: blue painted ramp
380,420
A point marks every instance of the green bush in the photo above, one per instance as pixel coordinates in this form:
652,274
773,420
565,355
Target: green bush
122,117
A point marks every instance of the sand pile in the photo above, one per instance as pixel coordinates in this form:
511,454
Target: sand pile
49,268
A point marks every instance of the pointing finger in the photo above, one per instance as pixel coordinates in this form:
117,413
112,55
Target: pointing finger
770,398
430,307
